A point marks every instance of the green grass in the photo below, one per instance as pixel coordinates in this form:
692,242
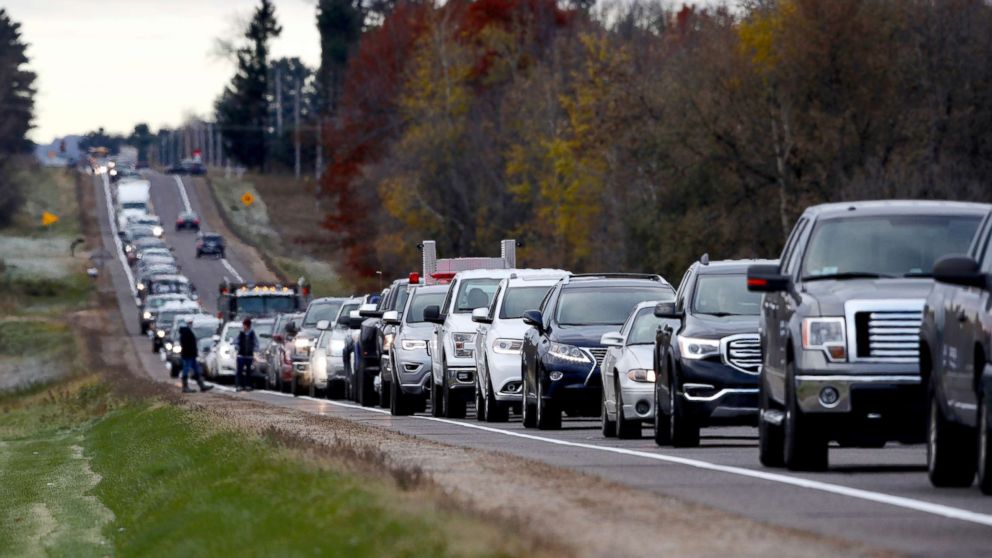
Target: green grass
33,337
46,189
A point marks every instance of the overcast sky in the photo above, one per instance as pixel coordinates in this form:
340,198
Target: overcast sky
114,63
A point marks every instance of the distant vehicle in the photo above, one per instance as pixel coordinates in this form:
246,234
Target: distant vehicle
133,198
563,351
211,244
205,327
408,363
149,220
263,331
188,220
708,354
164,318
373,337
221,360
258,300
840,325
327,358
142,276
141,245
319,310
187,167
955,357
280,360
152,305
168,284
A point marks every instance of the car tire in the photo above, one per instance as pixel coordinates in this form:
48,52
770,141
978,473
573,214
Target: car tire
548,413
951,449
662,424
399,404
335,390
385,392
684,433
496,411
984,446
804,447
626,429
294,386
607,427
771,438
312,390
454,405
480,401
437,403
528,412
366,389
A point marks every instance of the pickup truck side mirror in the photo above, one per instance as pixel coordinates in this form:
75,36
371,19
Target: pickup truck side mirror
613,339
323,324
481,316
534,318
391,318
667,310
960,270
767,279
369,311
432,314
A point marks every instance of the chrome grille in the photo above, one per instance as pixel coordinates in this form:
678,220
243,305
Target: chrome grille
743,352
889,335
599,354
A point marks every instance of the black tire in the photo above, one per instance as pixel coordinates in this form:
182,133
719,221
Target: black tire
804,447
662,423
684,433
626,429
385,390
951,450
480,401
437,403
399,404
496,411
335,390
312,390
771,438
528,414
548,413
984,446
366,389
454,404
294,386
606,426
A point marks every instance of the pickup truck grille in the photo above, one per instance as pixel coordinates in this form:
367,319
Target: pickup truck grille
888,335
743,352
599,353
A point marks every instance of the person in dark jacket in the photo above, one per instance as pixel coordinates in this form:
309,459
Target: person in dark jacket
246,344
188,349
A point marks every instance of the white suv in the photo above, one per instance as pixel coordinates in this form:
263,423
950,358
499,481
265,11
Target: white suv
499,337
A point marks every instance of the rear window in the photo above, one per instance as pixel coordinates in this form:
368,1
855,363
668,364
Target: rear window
606,305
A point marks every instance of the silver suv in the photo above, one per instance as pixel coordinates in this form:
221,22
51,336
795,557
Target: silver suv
406,362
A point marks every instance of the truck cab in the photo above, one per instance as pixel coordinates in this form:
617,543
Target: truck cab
258,300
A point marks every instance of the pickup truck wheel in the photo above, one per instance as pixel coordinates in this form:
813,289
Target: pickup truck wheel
528,413
626,429
366,389
684,433
294,386
607,427
437,404
313,388
984,446
480,401
548,413
335,390
771,440
662,422
805,449
454,405
496,411
951,450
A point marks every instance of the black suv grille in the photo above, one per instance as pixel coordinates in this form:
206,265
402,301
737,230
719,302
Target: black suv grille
743,352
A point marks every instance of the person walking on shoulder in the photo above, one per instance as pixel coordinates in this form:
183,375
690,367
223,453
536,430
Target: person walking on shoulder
188,351
247,342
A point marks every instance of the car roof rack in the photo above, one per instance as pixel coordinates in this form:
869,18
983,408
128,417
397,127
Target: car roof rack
614,275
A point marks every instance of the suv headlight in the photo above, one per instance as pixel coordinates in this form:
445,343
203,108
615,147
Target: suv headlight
301,346
160,333
387,342
413,344
463,344
828,335
508,346
695,349
147,315
177,349
337,347
640,375
568,353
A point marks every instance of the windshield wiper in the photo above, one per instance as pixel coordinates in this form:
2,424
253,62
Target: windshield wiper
721,314
847,275
918,274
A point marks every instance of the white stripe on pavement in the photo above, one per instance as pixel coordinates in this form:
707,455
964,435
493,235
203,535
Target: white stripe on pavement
233,271
182,192
113,232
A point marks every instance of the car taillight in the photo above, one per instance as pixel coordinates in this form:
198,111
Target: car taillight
196,221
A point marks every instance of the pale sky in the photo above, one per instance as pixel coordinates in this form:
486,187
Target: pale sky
114,63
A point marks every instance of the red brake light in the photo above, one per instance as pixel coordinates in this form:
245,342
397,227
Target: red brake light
196,221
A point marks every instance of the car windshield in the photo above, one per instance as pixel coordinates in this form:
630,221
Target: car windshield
321,311
267,304
725,295
645,326
156,302
420,301
885,246
518,300
168,287
166,319
345,313
202,331
604,306
263,329
475,293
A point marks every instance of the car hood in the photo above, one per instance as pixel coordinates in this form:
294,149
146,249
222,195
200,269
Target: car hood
582,336
831,295
422,331
511,328
204,344
640,356
308,333
460,323
715,327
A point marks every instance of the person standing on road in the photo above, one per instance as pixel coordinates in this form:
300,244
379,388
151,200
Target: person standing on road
247,343
188,352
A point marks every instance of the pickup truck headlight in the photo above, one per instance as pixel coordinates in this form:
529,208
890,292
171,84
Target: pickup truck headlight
147,315
568,353
168,346
828,335
508,346
387,342
695,349
640,375
140,286
413,344
337,347
463,344
177,349
301,347
160,333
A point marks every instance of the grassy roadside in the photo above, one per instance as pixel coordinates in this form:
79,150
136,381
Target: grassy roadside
284,224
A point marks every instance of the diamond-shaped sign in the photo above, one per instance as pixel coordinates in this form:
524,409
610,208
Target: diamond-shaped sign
247,199
49,218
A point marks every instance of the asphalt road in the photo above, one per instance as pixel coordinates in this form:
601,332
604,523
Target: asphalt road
879,497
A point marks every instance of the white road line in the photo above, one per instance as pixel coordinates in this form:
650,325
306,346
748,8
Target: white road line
182,192
233,271
115,235
840,490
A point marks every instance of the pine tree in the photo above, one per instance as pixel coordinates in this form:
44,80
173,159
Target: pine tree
340,25
16,111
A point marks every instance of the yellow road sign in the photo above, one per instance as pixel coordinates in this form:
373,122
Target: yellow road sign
49,218
248,199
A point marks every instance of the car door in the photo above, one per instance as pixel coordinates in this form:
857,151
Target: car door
777,310
482,334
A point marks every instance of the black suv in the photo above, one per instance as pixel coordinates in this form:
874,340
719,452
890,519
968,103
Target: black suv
562,352
210,244
371,341
840,324
707,365
955,352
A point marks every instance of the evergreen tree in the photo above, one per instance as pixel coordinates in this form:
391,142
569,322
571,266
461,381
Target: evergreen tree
243,107
340,25
16,110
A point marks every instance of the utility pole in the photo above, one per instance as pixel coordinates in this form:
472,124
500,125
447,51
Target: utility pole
296,117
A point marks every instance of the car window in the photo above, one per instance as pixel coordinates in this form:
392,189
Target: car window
605,305
475,293
345,313
319,311
789,253
724,295
231,333
521,299
415,314
644,328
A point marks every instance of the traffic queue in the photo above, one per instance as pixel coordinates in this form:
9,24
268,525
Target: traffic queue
871,327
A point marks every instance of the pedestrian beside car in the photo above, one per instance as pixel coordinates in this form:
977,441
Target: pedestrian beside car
188,351
246,344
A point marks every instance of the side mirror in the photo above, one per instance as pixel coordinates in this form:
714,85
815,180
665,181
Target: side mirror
432,314
216,338
613,339
960,270
481,316
766,279
369,311
667,310
534,318
323,324
355,319
392,317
